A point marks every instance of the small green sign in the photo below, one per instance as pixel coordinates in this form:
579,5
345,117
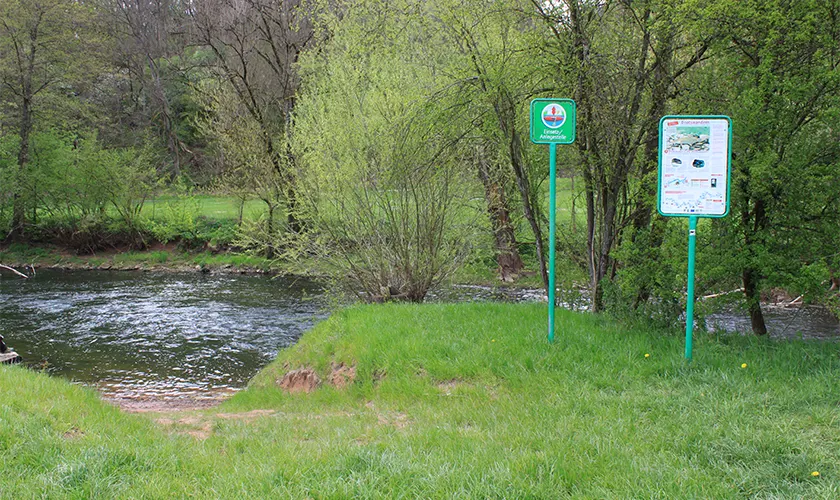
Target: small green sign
553,121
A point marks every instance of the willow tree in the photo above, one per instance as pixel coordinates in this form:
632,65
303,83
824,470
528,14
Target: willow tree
387,198
492,76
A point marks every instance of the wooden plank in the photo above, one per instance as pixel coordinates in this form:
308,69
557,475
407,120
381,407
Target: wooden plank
10,357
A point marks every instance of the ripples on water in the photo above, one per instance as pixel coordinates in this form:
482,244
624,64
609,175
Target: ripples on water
154,334
169,336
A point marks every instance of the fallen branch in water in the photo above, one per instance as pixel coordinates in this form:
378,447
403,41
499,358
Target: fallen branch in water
721,294
797,300
14,271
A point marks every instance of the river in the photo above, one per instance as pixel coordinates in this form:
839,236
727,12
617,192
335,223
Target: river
138,336
155,336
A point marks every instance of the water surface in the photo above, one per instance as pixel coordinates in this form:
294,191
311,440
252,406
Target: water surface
170,336
155,335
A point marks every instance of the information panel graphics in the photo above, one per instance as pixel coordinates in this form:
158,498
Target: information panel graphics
694,157
553,121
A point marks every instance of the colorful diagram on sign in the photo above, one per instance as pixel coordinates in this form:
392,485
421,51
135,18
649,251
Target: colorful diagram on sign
688,139
694,166
553,116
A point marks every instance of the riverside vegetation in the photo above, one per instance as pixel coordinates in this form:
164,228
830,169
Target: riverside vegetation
456,401
386,143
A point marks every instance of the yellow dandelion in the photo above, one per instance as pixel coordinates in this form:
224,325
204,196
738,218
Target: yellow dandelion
815,474
493,340
744,365
647,355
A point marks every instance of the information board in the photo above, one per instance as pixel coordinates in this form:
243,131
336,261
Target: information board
553,121
694,157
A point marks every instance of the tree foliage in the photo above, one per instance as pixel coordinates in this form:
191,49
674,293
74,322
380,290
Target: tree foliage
388,135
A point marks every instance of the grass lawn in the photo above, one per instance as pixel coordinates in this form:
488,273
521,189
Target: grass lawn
213,207
457,401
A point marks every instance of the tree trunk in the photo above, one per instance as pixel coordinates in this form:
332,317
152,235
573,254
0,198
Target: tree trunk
506,113
753,224
507,253
19,207
172,141
609,206
590,238
269,249
525,192
751,291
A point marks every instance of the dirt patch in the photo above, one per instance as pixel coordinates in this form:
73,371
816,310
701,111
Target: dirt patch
155,405
342,375
73,433
200,434
249,416
398,420
301,380
190,426
449,386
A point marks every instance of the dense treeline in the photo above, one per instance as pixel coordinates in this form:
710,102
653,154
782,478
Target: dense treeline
390,139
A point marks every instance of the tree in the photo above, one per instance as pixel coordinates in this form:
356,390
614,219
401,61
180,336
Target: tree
257,44
385,194
783,71
624,61
149,36
42,50
490,63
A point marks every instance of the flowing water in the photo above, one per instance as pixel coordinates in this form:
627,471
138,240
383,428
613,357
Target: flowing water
807,322
173,336
155,335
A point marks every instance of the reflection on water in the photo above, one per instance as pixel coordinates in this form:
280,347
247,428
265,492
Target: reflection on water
154,334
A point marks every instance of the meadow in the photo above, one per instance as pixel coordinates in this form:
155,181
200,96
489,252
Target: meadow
456,401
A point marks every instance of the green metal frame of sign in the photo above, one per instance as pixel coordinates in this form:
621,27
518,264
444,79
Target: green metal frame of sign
692,220
563,134
541,133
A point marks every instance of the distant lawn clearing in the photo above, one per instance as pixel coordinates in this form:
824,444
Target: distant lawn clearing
457,401
213,207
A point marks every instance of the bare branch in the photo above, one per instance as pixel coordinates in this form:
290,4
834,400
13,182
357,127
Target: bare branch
14,271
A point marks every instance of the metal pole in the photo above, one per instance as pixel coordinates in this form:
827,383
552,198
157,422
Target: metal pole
552,223
689,303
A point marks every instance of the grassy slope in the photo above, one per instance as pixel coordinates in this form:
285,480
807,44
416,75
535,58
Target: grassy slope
473,403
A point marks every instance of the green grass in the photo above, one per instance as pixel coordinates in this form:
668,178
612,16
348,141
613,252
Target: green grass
214,207
458,401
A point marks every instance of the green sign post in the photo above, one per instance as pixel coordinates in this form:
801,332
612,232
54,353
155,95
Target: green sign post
553,121
694,170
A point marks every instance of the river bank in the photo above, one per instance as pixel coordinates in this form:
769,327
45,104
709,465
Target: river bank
180,339
164,258
456,400
169,258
